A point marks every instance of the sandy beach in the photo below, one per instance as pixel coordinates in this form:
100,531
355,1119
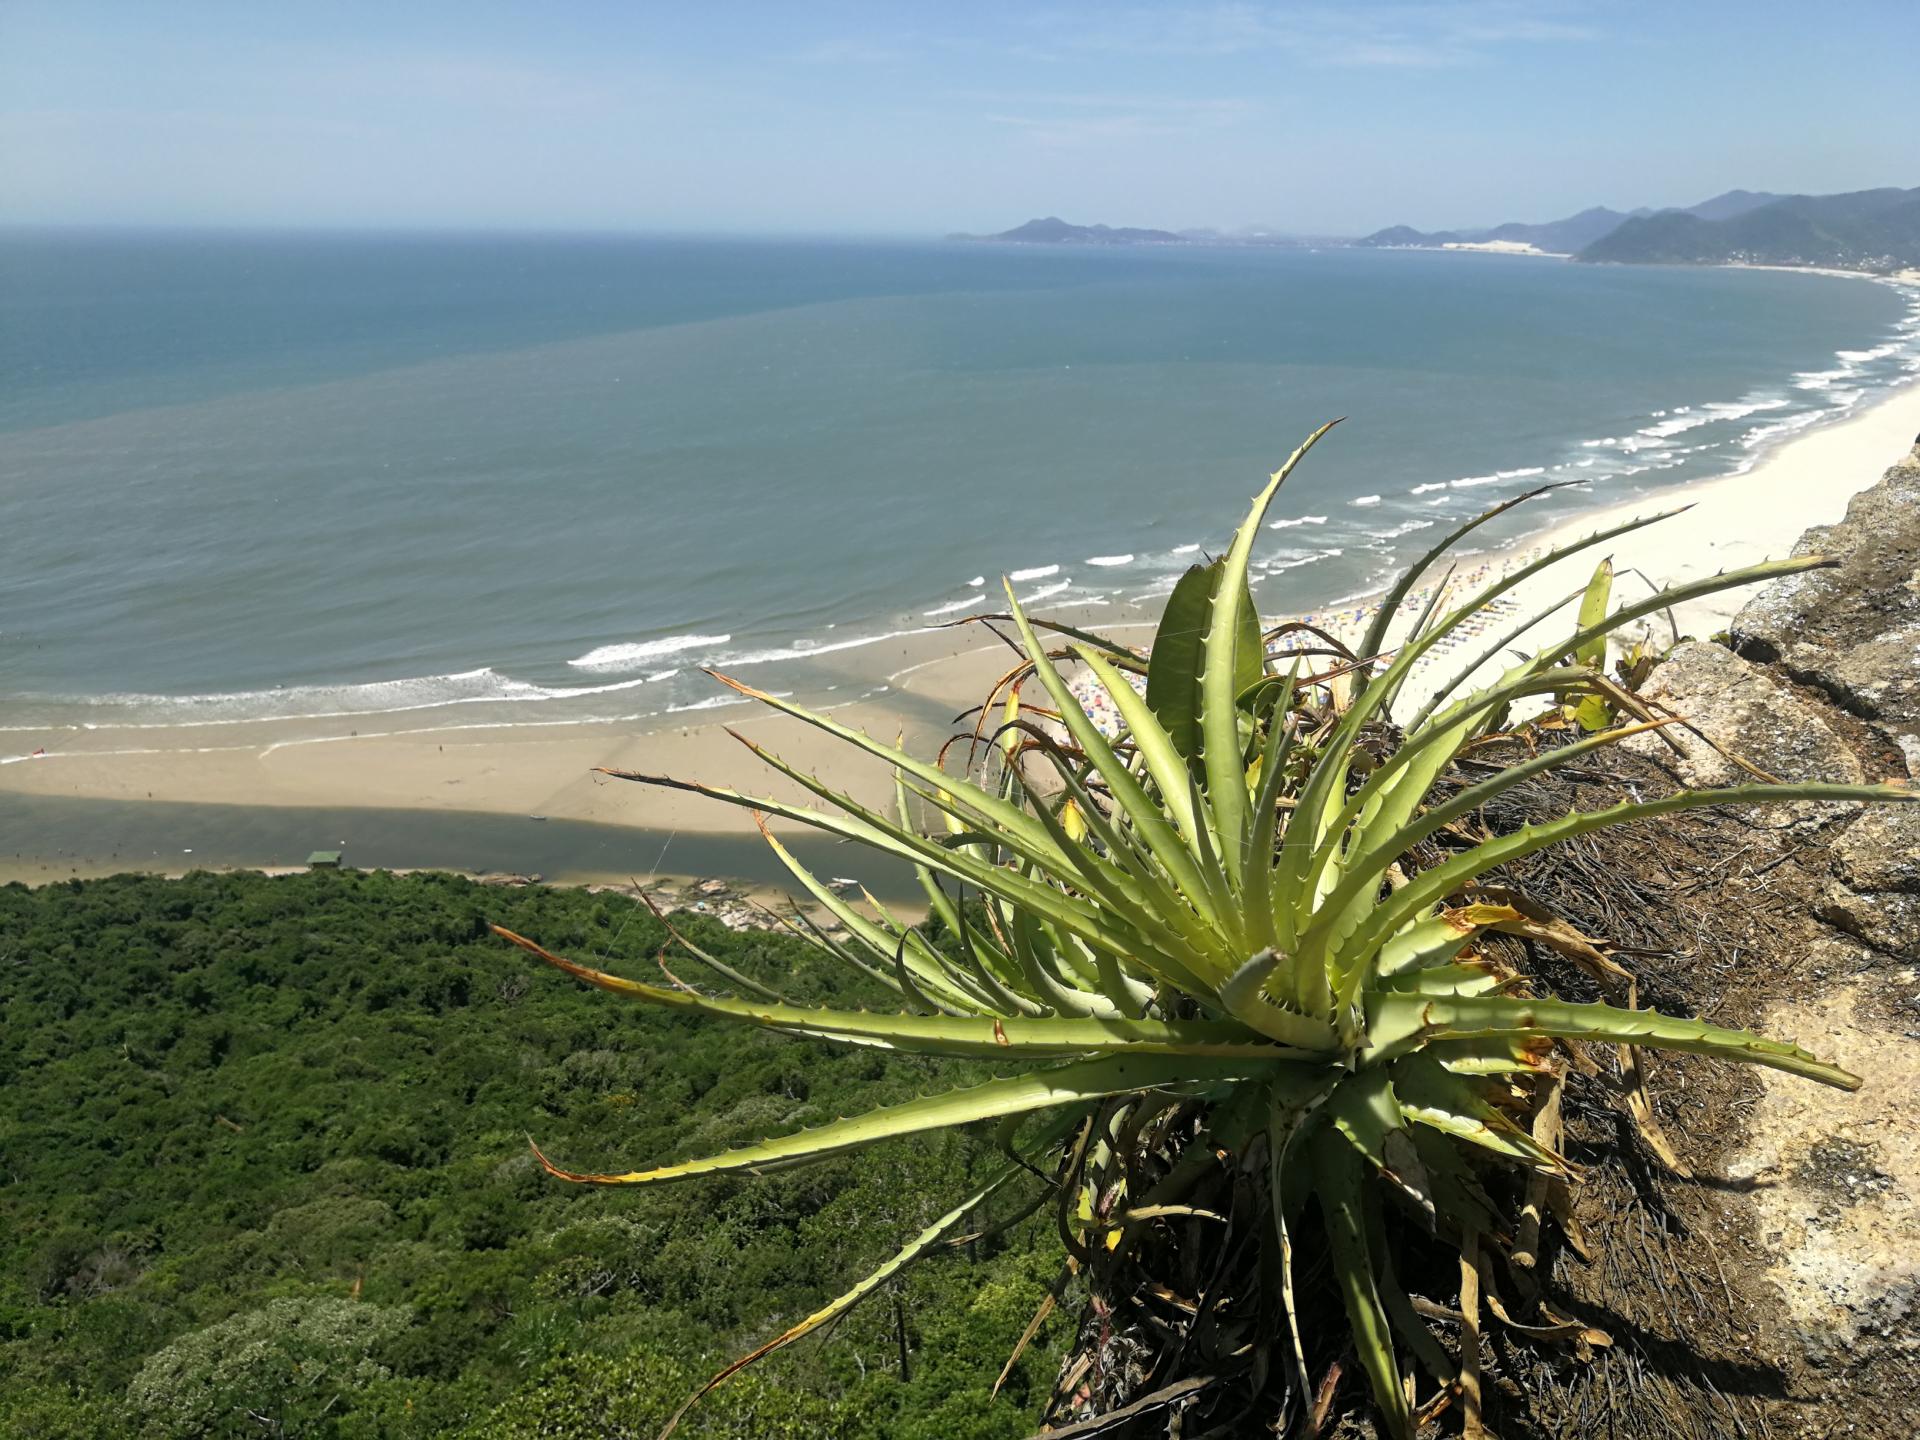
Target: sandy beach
549,771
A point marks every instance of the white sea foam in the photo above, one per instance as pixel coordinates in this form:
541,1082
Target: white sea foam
714,702
331,702
1190,549
1405,527
969,602
1038,572
1677,424
1854,362
1740,409
1822,379
1159,585
806,649
1109,559
521,690
1468,482
1365,500
978,580
630,656
1045,590
1792,424
1303,560
1428,488
1290,523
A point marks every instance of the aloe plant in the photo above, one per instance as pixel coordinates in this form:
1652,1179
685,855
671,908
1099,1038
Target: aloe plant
1246,925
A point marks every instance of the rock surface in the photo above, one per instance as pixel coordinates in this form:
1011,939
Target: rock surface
1748,713
1826,684
1890,923
1880,851
1852,633
1839,1173
1875,893
1853,630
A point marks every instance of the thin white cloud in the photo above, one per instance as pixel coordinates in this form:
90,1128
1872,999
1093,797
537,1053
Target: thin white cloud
1111,100
848,52
1074,120
1415,33
459,80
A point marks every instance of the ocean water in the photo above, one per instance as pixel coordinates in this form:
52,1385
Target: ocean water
433,479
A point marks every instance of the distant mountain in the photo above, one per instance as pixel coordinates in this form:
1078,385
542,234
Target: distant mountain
1055,231
1398,237
1734,202
1563,237
1573,234
1863,230
1560,237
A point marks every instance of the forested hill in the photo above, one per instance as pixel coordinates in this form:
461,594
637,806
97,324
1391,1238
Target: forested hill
1052,230
1555,236
1566,236
263,1171
1865,230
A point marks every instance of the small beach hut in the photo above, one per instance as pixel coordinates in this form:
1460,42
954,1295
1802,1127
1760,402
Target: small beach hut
324,860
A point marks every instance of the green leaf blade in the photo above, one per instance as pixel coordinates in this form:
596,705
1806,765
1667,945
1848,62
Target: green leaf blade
1016,1095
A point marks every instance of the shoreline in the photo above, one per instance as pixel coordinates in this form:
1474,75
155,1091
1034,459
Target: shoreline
1729,522
458,776
1909,275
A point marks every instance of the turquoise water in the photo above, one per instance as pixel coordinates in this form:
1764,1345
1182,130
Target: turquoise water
251,477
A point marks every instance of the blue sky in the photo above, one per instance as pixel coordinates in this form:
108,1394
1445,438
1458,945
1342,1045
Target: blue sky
858,118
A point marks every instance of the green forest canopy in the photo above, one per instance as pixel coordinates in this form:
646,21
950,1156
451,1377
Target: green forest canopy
264,1171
